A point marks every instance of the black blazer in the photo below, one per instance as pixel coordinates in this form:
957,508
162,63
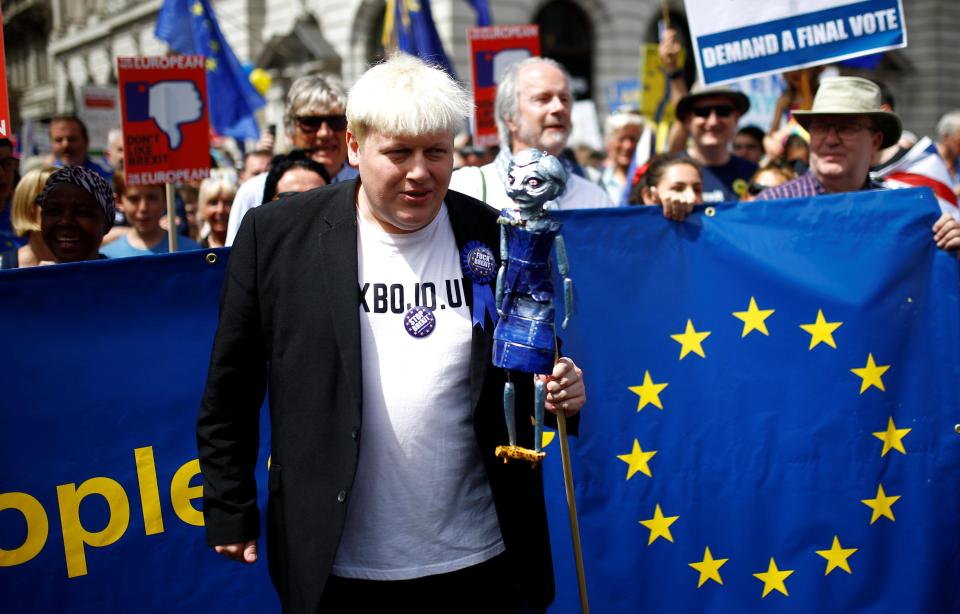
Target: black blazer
289,317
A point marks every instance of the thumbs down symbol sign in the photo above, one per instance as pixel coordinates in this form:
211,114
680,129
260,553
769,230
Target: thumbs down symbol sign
170,104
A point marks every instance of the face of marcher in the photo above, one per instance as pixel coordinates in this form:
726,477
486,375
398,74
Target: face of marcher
326,133
679,182
622,145
841,148
143,206
299,180
253,166
712,121
403,179
747,147
217,212
72,224
543,110
67,142
8,170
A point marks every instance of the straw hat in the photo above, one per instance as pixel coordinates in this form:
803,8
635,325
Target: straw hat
740,101
852,96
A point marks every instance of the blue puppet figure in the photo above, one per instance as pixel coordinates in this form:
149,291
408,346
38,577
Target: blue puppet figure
525,337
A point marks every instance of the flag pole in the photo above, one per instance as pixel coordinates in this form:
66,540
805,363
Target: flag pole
171,219
571,503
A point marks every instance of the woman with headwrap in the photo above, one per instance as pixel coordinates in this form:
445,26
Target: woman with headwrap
76,209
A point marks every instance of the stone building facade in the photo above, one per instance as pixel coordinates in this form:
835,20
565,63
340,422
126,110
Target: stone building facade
54,47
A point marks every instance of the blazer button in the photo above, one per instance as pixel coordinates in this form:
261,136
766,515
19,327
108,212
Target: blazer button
355,434
341,496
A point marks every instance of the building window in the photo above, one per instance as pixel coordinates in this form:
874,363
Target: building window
566,35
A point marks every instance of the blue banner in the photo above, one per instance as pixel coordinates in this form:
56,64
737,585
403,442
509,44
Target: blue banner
772,394
408,26
100,486
191,27
795,40
772,401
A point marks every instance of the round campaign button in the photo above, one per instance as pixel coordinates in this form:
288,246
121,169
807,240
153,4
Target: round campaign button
478,262
419,321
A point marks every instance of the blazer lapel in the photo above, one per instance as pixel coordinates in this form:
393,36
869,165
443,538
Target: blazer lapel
338,255
469,227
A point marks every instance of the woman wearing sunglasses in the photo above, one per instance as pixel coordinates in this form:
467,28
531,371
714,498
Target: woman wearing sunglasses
769,175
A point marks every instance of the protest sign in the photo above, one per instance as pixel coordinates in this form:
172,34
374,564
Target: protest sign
99,109
492,50
5,128
736,39
166,134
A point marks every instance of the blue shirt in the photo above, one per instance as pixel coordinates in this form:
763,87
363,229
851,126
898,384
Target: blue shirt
121,248
728,182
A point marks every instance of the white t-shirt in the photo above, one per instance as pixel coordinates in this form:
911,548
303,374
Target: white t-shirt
484,184
421,502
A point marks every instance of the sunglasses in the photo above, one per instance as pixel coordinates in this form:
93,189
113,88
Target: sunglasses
312,123
722,110
754,188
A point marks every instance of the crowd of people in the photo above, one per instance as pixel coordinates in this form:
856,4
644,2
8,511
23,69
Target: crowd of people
862,146
390,195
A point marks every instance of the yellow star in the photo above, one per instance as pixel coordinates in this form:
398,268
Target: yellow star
690,341
892,438
211,64
753,318
709,568
837,556
214,46
773,578
659,526
197,8
870,374
821,331
882,505
637,460
649,392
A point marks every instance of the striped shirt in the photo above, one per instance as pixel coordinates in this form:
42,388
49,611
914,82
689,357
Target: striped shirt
805,185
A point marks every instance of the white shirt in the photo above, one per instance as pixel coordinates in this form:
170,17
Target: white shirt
483,184
421,502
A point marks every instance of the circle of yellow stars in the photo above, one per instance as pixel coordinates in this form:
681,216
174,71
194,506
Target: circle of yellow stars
754,319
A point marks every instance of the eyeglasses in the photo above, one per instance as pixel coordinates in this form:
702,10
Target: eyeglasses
754,189
722,110
819,128
283,195
312,123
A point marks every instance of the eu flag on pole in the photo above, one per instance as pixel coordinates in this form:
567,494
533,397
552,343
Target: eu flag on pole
772,409
483,12
190,27
408,26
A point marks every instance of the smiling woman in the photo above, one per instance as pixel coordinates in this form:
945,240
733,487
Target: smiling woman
76,210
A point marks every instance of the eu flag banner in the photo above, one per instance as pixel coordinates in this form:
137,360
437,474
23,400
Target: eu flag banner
190,27
772,399
99,479
408,26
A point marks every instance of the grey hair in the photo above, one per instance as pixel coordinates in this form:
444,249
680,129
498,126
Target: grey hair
618,121
406,96
508,96
321,94
948,124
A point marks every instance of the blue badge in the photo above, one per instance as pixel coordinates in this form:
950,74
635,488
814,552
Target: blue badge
419,321
478,262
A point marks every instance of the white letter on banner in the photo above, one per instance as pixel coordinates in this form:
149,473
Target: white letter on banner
709,58
891,15
770,40
38,528
734,53
856,24
869,23
787,39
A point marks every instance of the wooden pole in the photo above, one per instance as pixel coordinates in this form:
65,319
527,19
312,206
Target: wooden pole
171,219
666,14
572,510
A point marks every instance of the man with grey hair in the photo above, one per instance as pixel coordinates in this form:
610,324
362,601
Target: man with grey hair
353,303
948,144
533,108
314,120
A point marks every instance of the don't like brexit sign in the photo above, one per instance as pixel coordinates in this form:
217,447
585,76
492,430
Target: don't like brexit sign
736,39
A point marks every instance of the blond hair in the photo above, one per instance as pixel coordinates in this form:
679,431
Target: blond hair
25,212
405,96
